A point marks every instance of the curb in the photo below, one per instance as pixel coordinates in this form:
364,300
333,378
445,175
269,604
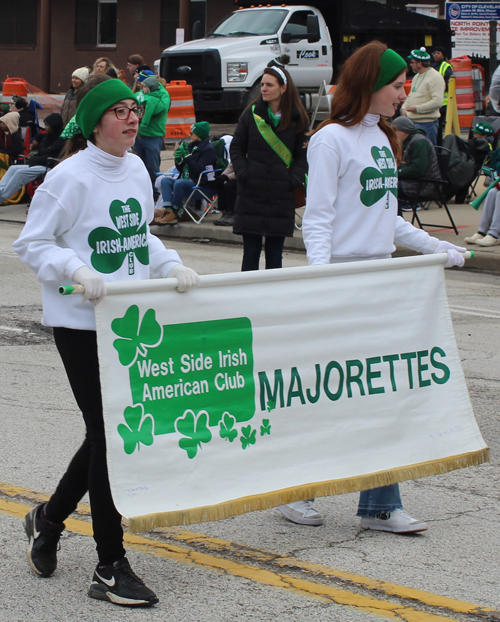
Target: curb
483,260
487,261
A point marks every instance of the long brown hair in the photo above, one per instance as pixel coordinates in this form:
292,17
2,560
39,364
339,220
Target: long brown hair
290,100
79,142
353,95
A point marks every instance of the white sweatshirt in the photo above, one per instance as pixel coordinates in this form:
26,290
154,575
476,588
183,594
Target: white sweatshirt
92,210
351,208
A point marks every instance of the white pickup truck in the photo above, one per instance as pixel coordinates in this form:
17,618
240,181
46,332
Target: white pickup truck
226,66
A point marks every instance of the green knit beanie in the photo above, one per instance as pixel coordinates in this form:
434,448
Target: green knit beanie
201,129
391,65
98,100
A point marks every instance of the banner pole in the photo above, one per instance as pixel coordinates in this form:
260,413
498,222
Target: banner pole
231,278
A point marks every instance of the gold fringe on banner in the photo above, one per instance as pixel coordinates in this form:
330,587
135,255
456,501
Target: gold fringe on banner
297,493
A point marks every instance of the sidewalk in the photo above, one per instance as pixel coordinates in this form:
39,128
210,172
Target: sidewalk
466,218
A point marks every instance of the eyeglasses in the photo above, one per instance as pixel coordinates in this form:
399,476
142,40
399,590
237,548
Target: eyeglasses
122,113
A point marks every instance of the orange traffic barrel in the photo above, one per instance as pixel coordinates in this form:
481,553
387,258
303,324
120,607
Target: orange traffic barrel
181,115
15,86
464,90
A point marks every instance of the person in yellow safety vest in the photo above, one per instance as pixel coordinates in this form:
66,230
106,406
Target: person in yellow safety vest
442,65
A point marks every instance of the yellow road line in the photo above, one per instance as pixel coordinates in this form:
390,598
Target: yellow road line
306,588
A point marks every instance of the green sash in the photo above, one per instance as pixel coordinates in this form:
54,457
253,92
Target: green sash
272,140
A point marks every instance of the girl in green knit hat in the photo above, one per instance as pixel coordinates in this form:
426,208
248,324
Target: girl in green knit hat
90,209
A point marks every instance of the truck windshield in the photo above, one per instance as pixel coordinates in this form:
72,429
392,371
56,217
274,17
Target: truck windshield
254,22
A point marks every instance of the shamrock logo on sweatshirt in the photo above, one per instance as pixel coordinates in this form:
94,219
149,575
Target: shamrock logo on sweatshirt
379,182
128,239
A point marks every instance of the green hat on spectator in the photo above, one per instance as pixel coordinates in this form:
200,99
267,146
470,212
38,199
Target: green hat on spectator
201,129
484,129
421,54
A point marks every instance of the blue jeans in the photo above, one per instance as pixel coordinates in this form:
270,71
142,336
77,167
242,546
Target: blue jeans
17,176
377,500
431,129
149,149
174,191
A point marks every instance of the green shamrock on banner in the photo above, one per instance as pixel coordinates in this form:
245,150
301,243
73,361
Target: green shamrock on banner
111,246
194,429
135,337
265,428
247,436
227,430
139,428
378,182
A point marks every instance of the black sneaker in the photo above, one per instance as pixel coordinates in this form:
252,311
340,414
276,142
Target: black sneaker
119,584
43,539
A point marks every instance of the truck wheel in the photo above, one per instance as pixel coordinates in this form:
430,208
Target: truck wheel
253,92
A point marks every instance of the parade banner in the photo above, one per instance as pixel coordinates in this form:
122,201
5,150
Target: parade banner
260,388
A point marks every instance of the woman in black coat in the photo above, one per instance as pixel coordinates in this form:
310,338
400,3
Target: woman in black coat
265,203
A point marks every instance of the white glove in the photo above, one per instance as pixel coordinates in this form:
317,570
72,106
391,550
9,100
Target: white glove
95,288
454,256
186,278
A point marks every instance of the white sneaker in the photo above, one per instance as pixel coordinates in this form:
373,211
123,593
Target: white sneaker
302,513
397,521
474,238
488,240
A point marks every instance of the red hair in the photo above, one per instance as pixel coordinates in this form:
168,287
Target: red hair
354,92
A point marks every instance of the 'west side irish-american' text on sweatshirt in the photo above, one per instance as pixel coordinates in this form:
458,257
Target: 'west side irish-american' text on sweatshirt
351,210
92,210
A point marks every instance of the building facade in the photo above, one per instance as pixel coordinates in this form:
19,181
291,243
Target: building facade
43,41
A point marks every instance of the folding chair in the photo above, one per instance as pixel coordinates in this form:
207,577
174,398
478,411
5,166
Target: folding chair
442,192
471,192
205,194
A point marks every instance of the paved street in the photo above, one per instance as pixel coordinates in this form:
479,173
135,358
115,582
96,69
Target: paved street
258,566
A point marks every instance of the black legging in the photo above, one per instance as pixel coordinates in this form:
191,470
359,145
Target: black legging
252,247
88,469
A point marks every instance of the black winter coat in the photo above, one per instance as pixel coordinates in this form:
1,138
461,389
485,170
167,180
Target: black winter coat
265,203
50,147
201,155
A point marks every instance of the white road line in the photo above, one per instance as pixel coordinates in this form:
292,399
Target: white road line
463,311
14,330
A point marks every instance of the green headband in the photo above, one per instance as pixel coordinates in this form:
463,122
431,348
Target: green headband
98,100
391,65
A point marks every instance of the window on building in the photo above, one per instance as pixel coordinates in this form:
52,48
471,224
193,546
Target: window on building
18,22
95,22
169,21
106,22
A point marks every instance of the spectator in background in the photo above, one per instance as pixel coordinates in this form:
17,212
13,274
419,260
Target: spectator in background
190,159
139,79
149,141
494,93
480,143
133,61
105,65
78,77
50,146
442,66
426,95
419,160
26,117
480,148
488,232
12,143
